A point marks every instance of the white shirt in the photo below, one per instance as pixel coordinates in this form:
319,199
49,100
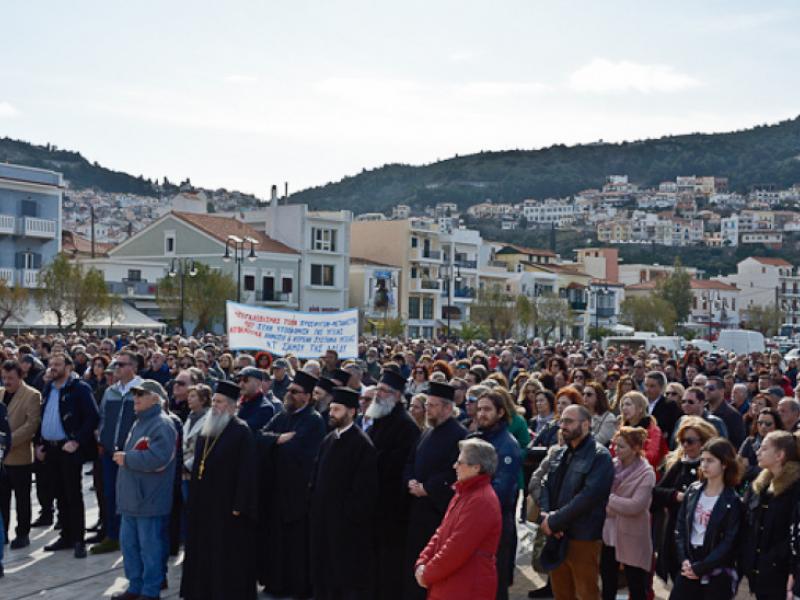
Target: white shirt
702,514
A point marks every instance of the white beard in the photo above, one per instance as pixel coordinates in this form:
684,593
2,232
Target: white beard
379,408
214,424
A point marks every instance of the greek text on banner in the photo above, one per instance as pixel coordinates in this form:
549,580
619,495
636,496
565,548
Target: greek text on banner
306,335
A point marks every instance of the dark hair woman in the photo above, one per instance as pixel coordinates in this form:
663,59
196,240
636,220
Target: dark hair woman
708,525
770,504
768,420
604,422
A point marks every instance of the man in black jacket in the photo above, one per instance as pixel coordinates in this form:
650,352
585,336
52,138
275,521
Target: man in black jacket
429,476
665,411
394,433
65,441
573,504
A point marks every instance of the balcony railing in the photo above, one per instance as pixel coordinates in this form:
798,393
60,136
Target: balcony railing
29,278
425,285
605,312
131,288
466,264
41,228
7,275
266,296
464,292
8,224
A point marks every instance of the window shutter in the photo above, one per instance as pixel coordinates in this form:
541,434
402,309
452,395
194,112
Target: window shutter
37,260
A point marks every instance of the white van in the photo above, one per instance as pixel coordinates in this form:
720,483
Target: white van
740,341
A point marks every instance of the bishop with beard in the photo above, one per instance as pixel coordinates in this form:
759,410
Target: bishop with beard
344,487
288,446
393,433
223,506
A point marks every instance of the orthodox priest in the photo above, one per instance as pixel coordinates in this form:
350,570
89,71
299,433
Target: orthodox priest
344,487
288,447
393,433
223,506
429,477
322,396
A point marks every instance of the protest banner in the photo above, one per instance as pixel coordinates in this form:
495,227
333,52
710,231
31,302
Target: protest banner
306,335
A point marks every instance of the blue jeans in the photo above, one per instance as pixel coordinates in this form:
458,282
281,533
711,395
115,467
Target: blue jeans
143,548
110,469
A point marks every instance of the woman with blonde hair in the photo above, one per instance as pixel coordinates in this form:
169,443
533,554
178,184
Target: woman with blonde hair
416,408
634,413
527,396
681,469
624,385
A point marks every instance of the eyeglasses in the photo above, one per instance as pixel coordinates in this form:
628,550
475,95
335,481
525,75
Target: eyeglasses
690,441
472,398
710,386
122,364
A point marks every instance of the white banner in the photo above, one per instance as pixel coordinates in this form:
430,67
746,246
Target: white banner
306,335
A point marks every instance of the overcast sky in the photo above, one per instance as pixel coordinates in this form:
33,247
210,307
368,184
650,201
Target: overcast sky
245,94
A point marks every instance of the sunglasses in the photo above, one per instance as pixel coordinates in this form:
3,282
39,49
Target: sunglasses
689,441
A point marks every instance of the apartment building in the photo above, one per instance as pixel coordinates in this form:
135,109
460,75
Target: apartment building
30,222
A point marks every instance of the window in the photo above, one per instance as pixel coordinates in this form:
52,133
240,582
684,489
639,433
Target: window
323,239
286,285
28,260
134,275
322,275
427,308
414,242
249,283
29,208
413,307
169,242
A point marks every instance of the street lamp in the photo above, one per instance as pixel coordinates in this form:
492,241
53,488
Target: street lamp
450,276
178,266
238,246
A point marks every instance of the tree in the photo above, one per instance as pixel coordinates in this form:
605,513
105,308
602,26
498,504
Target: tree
13,301
73,293
114,310
472,331
766,319
526,315
649,313
676,289
494,310
204,296
552,313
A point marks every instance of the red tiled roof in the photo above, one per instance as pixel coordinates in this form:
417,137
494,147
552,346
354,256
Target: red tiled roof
74,244
358,260
773,262
221,227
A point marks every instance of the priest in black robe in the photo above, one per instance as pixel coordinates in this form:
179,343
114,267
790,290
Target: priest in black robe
429,477
393,433
288,446
322,396
223,506
344,490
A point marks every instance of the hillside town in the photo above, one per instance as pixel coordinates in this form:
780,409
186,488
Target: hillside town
425,271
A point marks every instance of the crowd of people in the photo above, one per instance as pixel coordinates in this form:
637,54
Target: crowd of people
401,474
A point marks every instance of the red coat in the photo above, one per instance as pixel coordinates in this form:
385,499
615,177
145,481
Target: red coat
460,558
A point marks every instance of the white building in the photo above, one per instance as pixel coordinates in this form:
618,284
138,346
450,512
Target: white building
560,212
374,288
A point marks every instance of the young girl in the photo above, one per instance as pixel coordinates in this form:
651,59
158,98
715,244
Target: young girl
766,552
708,525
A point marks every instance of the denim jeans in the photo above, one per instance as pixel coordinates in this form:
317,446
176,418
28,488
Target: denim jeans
142,542
110,490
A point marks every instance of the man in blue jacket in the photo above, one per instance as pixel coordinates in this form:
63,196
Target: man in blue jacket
493,420
65,441
573,504
145,483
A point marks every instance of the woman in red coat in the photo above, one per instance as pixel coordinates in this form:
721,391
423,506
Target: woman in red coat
459,561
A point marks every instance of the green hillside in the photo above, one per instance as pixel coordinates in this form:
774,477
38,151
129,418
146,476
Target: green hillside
761,155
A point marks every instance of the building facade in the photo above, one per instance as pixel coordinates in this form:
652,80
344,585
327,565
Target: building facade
30,222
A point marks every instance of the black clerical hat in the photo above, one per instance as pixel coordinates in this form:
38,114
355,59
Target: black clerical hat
326,384
345,396
341,376
441,390
306,381
393,379
229,389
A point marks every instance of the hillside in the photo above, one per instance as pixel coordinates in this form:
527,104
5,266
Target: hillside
761,155
75,168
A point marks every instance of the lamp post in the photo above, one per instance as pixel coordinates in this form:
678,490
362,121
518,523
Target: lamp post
451,276
178,266
238,245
